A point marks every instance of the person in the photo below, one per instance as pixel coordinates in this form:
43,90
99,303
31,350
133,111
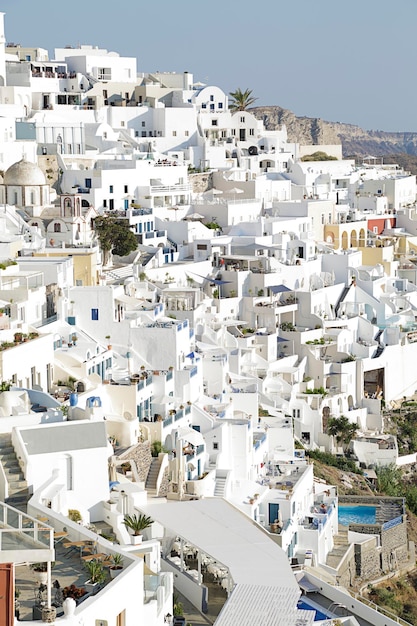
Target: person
323,508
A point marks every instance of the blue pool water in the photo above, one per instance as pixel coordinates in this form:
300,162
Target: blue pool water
356,514
303,604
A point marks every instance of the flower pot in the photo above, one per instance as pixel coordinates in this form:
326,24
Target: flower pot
49,615
69,605
91,587
41,577
115,571
136,539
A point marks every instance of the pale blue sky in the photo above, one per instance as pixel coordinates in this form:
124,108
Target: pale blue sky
351,61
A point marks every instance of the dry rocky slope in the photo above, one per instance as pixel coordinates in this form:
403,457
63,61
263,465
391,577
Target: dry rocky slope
355,140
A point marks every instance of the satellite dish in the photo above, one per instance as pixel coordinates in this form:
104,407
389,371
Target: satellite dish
128,416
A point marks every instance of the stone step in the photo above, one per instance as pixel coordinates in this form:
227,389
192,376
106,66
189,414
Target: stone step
7,451
13,469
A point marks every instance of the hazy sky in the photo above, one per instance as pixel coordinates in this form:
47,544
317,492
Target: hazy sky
352,61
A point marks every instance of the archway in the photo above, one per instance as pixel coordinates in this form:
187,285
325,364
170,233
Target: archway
353,239
344,241
362,238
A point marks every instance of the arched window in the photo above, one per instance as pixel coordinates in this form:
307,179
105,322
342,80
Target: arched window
57,227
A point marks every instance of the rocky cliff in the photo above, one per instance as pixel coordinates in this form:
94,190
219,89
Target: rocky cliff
355,140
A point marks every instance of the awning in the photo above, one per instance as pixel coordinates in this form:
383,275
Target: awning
191,435
306,585
279,289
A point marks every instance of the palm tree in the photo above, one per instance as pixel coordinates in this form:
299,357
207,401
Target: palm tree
241,100
342,429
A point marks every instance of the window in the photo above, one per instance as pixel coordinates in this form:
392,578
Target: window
211,98
126,188
94,315
201,246
215,445
296,413
111,189
126,95
214,122
220,105
104,73
375,230
143,123
204,105
87,183
104,135
242,119
111,205
144,133
211,107
233,132
251,131
136,133
123,123
104,204
57,228
186,133
105,94
285,164
174,133
322,218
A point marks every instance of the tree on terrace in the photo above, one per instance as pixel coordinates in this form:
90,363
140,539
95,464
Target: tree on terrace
241,100
115,237
342,429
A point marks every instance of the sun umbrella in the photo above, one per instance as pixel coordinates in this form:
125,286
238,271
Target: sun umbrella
191,435
234,191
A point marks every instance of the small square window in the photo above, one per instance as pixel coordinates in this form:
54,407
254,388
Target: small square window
220,105
94,315
215,445
214,122
174,133
204,105
143,123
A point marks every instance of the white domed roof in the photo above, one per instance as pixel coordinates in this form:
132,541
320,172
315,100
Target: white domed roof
24,173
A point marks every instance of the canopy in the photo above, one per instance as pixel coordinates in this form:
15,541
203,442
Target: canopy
279,289
191,435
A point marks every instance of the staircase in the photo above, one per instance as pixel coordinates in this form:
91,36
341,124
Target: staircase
106,531
153,473
340,548
18,489
339,302
220,484
387,511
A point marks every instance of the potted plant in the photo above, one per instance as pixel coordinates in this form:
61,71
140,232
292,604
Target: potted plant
116,564
75,516
96,572
40,571
74,592
136,524
109,346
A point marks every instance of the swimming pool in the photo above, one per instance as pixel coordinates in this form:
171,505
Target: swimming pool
304,604
356,514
